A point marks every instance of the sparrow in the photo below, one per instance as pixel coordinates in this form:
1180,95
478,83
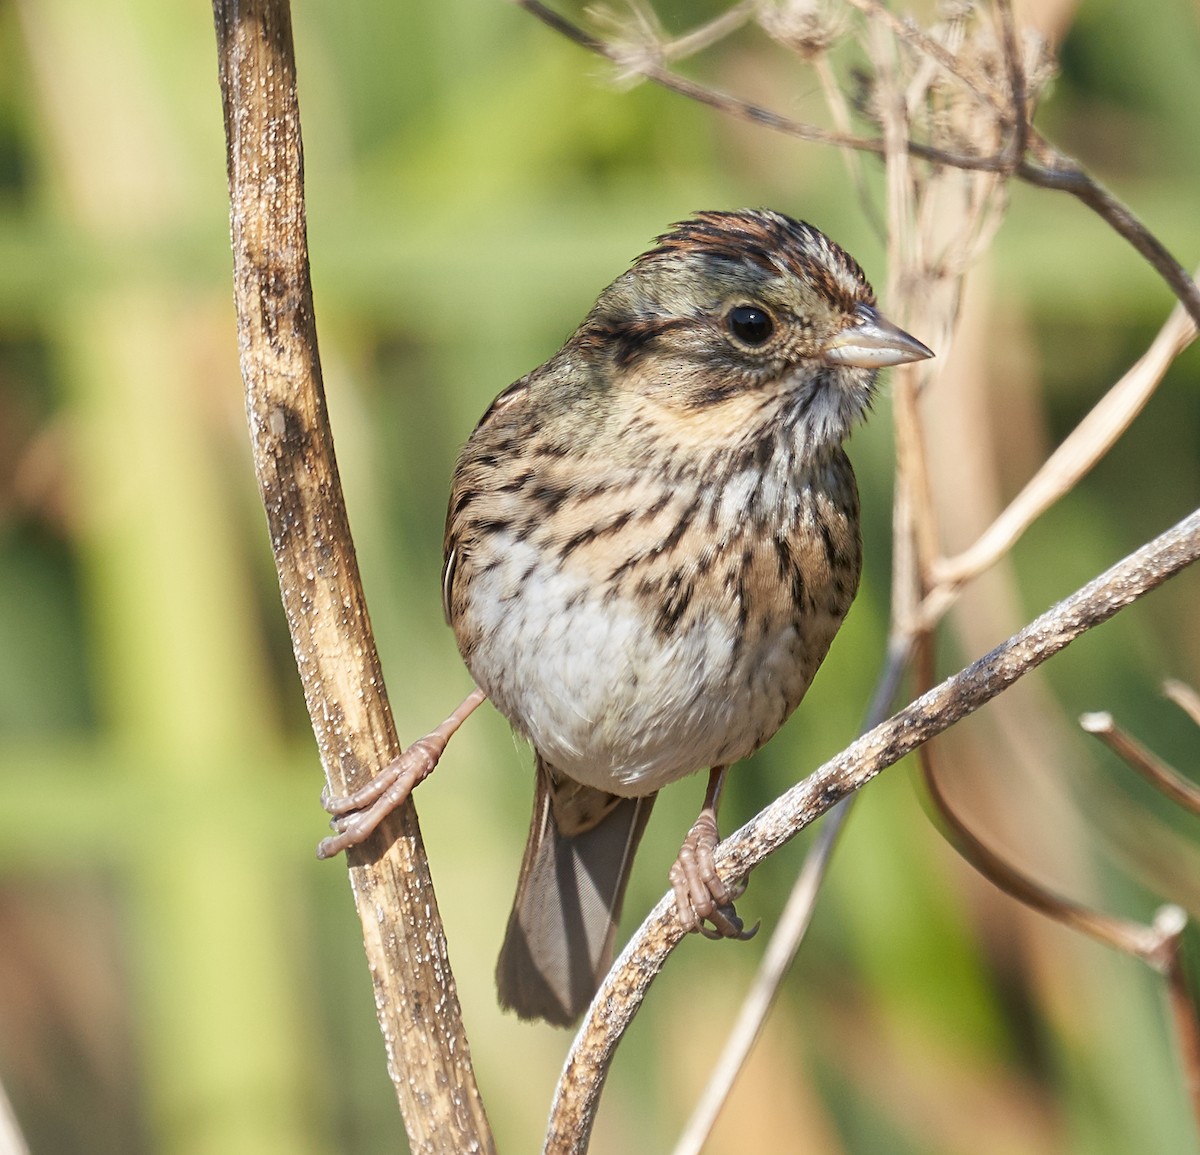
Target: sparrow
651,542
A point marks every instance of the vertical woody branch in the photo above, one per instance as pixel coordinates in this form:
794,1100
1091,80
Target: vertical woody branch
428,1056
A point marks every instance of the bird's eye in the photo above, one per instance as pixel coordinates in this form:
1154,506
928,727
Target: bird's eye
750,324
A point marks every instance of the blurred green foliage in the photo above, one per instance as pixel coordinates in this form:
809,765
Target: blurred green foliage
177,973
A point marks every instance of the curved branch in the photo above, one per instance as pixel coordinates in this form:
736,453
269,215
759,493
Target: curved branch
646,66
1067,175
1123,934
428,1057
1062,173
618,1000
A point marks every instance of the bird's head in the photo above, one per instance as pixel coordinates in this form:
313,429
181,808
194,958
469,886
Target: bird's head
740,320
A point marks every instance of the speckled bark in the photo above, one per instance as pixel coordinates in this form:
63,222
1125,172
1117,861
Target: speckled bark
428,1057
623,991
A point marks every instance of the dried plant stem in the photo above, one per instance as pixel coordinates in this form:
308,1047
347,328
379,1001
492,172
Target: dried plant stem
428,1056
1019,115
644,64
708,34
1184,697
1046,169
914,533
619,998
12,1142
1087,443
1067,175
908,32
839,109
1133,938
1183,1008
1165,779
1159,945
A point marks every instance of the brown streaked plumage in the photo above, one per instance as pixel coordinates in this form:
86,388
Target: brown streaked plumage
651,542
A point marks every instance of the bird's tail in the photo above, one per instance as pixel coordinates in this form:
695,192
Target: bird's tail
559,942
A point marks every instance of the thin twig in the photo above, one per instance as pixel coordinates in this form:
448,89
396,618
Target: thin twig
645,67
839,109
1087,443
1132,938
622,992
914,526
1016,81
797,914
1184,1012
1061,173
1159,944
12,1142
1184,697
706,35
913,523
1068,176
1165,779
417,1005
789,933
908,31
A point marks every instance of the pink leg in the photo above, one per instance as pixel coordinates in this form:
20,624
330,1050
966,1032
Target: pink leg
700,894
356,815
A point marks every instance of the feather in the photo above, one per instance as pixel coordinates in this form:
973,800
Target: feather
559,942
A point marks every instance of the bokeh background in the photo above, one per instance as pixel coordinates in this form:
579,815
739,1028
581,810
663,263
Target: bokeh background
178,973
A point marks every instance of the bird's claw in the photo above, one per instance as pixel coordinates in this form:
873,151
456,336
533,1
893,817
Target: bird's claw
701,895
357,815
727,923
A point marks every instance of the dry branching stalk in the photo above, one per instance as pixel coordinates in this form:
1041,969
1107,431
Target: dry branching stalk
1145,942
940,220
1159,944
952,108
428,1056
1170,924
1041,165
1165,779
1087,443
623,991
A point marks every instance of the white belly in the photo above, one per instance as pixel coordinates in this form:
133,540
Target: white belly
610,701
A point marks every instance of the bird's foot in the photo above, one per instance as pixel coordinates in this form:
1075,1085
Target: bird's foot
357,815
700,894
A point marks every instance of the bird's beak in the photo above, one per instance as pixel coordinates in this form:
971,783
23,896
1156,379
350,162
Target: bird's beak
871,341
